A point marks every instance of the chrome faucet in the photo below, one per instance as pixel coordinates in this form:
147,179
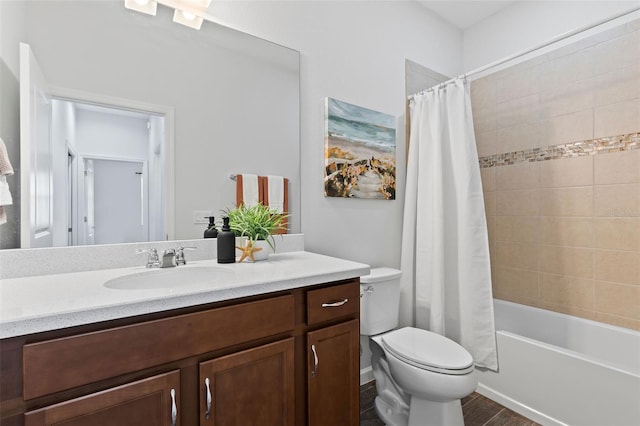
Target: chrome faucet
180,259
153,260
170,257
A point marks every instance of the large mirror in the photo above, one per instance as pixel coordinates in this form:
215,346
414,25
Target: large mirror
204,105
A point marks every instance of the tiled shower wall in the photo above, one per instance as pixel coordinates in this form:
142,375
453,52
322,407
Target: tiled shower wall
560,155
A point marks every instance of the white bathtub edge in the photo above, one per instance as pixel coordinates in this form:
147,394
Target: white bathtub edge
518,407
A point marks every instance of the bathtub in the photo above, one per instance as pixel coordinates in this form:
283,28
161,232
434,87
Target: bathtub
562,370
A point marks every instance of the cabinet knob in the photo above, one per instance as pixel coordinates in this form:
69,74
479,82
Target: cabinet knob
174,408
335,304
207,412
314,372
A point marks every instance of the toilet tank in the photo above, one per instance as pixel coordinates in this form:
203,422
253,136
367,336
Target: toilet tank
379,301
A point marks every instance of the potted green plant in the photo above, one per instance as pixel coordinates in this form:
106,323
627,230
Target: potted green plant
258,223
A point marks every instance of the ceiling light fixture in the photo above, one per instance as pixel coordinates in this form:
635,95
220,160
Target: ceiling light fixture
187,18
145,6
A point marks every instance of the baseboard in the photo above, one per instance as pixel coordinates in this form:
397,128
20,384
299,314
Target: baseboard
516,406
366,375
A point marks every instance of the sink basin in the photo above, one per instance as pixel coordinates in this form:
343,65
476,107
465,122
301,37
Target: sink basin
170,278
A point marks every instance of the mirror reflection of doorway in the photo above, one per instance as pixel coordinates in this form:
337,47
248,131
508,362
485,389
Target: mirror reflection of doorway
115,201
60,129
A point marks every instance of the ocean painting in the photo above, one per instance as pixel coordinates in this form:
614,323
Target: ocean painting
360,152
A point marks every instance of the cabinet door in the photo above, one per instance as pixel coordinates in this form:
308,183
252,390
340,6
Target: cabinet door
252,387
153,401
333,375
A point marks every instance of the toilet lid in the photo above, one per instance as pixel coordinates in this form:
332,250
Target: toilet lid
427,350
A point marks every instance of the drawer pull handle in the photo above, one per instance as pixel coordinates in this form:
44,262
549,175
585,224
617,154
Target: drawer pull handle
174,408
314,372
207,412
335,304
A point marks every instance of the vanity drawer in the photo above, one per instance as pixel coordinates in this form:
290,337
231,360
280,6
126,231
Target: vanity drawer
65,363
333,302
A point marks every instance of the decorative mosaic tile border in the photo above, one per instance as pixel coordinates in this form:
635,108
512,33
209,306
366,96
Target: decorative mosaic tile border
626,142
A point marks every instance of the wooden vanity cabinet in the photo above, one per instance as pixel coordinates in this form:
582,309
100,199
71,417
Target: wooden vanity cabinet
254,353
333,351
151,401
258,383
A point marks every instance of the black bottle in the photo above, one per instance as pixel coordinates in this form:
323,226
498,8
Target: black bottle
211,231
226,243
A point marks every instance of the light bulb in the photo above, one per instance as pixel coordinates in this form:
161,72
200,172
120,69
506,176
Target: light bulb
188,15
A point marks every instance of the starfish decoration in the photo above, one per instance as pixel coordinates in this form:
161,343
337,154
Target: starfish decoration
247,251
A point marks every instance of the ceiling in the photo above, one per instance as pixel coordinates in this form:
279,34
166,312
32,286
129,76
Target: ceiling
465,13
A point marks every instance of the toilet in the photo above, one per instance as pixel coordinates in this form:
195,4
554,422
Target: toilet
420,375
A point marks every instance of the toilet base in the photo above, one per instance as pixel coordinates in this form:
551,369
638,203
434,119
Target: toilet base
430,413
390,415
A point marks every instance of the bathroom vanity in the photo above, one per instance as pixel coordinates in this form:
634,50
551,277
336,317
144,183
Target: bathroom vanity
271,343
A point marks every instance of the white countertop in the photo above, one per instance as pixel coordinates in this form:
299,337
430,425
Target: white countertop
49,302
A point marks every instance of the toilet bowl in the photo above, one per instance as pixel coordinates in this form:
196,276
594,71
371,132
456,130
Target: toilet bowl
420,375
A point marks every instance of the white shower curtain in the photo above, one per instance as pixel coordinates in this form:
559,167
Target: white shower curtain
446,274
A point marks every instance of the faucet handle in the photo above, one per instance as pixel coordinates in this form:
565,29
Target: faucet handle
180,259
153,259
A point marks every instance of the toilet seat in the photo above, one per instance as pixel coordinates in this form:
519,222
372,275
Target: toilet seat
428,351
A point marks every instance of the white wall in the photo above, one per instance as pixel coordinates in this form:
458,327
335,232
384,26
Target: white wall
355,52
528,23
111,135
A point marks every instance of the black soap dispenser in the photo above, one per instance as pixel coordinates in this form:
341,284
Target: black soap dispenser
226,243
211,231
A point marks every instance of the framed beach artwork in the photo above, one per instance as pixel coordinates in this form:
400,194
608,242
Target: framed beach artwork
360,152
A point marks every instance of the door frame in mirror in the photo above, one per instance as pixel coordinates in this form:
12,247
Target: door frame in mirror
167,112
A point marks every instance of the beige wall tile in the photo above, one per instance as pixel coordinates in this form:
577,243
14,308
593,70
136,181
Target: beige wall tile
618,299
574,127
516,255
517,203
617,167
619,85
617,53
617,266
575,96
483,124
483,93
515,285
491,232
490,203
517,84
518,111
575,262
566,291
488,176
521,229
569,310
486,143
617,200
560,72
617,233
617,119
574,202
618,321
589,41
572,232
517,176
565,172
484,118
519,138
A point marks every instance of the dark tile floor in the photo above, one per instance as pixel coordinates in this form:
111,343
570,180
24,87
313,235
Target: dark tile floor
476,409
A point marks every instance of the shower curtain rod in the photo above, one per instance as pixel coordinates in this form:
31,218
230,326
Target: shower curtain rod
530,50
